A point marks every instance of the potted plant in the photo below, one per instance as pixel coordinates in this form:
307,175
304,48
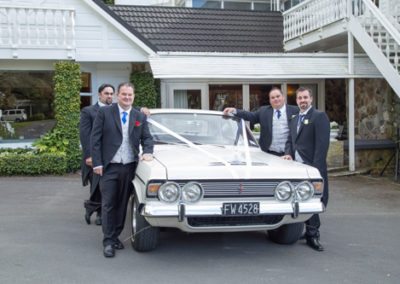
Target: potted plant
334,130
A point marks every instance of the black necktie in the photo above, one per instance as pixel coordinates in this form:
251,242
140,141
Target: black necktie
278,113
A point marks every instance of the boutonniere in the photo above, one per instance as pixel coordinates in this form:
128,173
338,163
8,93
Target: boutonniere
306,121
137,123
293,116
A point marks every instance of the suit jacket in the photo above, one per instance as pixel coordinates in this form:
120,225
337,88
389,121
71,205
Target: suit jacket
312,140
88,114
107,135
264,116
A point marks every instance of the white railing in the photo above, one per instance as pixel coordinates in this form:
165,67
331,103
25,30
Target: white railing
34,27
380,29
311,15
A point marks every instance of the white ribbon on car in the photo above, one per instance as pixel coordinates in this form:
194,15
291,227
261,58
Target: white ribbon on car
192,145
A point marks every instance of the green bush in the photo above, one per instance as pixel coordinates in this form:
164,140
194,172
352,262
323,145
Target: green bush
28,162
145,89
38,116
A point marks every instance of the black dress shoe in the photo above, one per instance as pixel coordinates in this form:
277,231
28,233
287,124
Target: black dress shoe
109,251
314,243
98,220
87,217
118,245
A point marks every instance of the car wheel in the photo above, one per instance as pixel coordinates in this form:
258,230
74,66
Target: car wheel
17,120
287,234
144,237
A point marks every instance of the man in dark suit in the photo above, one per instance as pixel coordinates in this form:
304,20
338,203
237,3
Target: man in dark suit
88,114
117,132
273,120
308,143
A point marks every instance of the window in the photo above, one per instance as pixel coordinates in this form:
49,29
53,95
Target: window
222,96
237,5
26,101
189,99
206,4
259,95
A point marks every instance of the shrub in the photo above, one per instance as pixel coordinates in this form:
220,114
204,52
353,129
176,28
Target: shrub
38,116
28,162
145,89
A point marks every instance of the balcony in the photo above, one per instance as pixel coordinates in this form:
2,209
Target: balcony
28,30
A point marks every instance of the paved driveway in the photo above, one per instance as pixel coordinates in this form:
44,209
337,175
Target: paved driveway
44,239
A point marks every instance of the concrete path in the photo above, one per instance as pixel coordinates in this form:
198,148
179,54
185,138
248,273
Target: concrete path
44,239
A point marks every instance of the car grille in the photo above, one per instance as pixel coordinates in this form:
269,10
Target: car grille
234,220
213,189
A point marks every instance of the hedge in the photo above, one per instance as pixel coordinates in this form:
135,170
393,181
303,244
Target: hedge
31,163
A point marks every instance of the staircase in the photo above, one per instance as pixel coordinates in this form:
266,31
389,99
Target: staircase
377,32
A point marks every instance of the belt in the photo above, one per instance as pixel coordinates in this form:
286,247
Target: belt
276,153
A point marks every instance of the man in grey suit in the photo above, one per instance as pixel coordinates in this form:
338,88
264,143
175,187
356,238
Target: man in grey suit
308,143
274,121
117,132
88,114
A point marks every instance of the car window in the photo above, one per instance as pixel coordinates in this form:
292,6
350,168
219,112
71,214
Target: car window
200,129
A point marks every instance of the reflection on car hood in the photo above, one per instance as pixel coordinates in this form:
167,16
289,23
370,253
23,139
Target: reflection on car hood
183,162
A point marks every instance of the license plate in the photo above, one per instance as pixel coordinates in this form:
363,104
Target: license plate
241,208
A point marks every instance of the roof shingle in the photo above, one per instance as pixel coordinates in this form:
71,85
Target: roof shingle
201,30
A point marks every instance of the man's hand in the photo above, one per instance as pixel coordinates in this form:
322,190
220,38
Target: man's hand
147,157
229,110
287,157
145,110
98,170
88,162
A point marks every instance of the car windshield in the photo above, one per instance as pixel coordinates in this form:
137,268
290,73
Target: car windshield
200,129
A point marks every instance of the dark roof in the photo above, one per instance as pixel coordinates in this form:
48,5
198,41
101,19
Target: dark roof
201,30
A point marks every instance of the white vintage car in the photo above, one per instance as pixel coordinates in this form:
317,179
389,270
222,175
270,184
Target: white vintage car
209,175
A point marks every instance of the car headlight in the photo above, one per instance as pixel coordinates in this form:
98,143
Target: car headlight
284,191
169,192
192,192
304,191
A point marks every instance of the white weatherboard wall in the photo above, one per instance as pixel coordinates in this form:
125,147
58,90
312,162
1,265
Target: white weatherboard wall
97,36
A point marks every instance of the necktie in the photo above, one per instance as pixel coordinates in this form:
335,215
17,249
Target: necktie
278,114
301,118
124,114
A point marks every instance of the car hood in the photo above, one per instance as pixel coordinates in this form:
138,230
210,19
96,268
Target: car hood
221,162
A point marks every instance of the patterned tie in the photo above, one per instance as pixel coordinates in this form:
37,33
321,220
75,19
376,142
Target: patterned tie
124,114
278,114
301,118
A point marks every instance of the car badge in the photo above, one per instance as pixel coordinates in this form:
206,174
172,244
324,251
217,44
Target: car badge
241,188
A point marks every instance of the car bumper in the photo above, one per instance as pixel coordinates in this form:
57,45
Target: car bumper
179,215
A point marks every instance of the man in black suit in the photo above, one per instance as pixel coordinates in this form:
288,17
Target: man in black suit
117,132
308,143
88,114
273,120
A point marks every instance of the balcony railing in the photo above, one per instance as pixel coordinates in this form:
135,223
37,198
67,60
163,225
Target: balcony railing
37,27
311,15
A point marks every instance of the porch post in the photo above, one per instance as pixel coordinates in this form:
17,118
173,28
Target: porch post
351,132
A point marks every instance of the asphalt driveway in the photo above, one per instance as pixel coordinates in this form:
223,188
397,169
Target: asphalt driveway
44,239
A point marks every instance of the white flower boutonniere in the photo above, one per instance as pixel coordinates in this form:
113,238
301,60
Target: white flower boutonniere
306,121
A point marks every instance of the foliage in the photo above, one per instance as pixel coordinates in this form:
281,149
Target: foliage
64,138
52,142
145,89
28,162
108,2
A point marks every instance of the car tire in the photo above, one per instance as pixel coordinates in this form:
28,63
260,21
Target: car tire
17,120
144,237
287,234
